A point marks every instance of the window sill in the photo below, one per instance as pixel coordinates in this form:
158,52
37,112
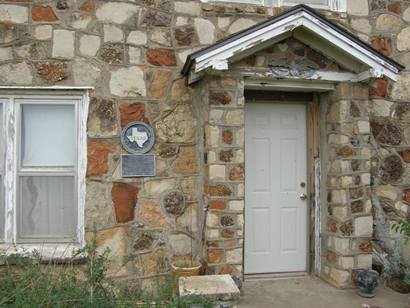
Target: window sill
49,253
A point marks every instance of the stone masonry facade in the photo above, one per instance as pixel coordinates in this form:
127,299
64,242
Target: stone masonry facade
132,53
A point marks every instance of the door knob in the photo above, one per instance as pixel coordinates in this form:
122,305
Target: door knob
303,196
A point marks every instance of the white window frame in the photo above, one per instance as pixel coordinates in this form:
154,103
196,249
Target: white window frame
12,99
333,5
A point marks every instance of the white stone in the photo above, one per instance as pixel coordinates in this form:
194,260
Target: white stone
403,39
217,172
81,22
63,43
85,73
365,178
220,287
341,245
364,261
234,117
116,12
157,187
339,196
363,226
406,14
89,45
212,135
6,53
234,255
241,24
361,25
212,220
13,13
240,190
364,127
182,55
137,38
211,157
113,34
134,55
205,30
189,8
346,262
341,278
215,115
128,82
358,7
223,22
338,139
388,23
381,108
15,73
240,137
401,88
181,21
212,233
236,205
346,181
160,36
340,212
180,244
239,156
43,32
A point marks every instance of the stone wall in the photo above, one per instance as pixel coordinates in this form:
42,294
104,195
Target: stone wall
132,53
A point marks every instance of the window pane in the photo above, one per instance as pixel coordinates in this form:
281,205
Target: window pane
2,211
48,135
47,208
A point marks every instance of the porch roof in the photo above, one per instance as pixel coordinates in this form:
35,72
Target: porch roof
306,25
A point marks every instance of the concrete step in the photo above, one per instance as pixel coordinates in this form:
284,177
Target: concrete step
212,287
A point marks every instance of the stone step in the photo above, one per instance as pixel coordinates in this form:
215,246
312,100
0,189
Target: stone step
212,287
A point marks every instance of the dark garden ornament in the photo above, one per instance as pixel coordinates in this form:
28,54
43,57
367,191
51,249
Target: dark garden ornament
174,202
366,280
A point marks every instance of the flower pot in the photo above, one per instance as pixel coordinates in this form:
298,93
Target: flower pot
182,268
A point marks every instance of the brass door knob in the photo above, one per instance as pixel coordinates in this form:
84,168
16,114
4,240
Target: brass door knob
303,197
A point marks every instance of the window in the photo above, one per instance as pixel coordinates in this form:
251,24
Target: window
43,169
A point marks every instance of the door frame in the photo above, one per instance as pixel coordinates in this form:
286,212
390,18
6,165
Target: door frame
313,153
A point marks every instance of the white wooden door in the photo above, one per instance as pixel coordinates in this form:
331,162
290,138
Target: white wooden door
275,165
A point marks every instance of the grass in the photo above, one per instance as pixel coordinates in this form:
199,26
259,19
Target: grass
25,281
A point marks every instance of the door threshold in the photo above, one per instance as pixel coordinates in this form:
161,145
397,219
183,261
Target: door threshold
273,276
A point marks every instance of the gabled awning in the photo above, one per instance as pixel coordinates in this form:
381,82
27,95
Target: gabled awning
307,26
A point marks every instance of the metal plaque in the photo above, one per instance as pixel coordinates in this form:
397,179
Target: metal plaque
137,138
137,165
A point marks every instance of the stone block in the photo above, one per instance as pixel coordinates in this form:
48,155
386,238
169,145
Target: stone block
161,57
236,205
358,8
187,161
211,135
43,14
381,108
181,244
113,34
234,117
137,38
43,32
361,25
116,12
89,45
99,212
339,196
205,30
160,83
363,226
128,82
388,23
341,245
340,277
124,197
97,157
240,24
189,8
85,72
346,262
217,172
63,43
364,127
403,39
159,186
6,53
234,255
13,13
134,55
364,261
212,287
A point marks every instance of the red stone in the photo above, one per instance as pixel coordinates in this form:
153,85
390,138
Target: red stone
406,155
236,173
383,45
332,226
380,89
366,246
131,113
161,57
227,233
215,255
346,151
159,84
227,136
124,197
406,195
43,13
88,6
217,205
97,156
226,269
331,256
395,7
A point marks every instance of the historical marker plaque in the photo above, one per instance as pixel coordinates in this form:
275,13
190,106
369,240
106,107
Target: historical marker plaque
137,165
137,138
